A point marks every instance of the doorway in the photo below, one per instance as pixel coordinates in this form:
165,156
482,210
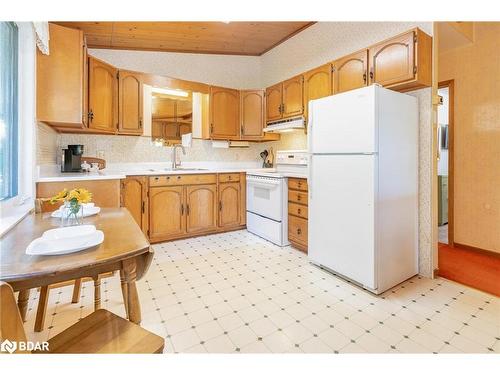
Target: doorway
445,162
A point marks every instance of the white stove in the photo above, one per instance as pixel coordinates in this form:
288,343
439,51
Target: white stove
267,196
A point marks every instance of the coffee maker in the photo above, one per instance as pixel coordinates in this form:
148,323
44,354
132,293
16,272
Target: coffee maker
72,158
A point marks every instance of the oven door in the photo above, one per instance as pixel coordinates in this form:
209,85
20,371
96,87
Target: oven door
265,196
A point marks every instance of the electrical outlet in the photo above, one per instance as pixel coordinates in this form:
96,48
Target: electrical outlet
100,154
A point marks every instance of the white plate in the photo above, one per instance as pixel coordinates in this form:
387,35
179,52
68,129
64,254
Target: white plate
59,244
87,211
66,232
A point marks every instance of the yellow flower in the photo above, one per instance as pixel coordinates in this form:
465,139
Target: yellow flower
59,196
84,196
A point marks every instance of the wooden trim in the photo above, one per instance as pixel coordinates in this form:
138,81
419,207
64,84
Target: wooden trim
477,250
451,150
286,38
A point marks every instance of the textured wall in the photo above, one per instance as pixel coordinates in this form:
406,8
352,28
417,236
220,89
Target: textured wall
327,41
46,144
475,68
230,71
127,149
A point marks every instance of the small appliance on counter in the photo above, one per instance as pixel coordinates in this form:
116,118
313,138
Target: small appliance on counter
72,159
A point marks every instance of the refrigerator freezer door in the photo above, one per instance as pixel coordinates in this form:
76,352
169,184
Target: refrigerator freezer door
341,215
343,123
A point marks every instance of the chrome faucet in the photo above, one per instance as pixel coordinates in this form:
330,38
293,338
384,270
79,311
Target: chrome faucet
176,165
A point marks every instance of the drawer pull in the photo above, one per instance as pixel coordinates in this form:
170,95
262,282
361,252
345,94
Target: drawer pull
299,231
298,197
230,177
178,177
299,211
157,178
182,210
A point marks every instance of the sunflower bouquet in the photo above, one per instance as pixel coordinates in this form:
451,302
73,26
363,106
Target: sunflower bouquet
73,201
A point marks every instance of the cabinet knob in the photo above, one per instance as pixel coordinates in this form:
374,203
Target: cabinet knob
299,231
157,178
178,177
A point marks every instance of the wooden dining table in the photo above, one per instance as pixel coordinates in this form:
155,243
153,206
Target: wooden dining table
125,249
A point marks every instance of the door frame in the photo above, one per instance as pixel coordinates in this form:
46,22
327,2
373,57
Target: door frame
450,84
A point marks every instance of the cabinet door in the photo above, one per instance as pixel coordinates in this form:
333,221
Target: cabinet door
252,114
273,102
134,192
201,203
166,212
130,98
224,113
350,72
317,84
293,96
393,61
61,79
229,204
103,105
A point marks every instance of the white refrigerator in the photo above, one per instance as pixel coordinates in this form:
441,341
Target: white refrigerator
363,186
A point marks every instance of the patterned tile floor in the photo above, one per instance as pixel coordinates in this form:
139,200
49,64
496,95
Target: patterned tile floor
236,292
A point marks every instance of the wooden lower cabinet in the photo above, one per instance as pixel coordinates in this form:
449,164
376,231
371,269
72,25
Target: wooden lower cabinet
201,208
134,197
166,213
297,213
229,204
183,206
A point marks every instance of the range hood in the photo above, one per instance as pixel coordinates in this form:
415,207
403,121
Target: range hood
295,123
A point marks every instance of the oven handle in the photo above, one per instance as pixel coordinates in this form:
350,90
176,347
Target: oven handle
265,185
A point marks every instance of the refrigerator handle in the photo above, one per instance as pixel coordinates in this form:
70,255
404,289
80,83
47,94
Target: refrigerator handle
309,148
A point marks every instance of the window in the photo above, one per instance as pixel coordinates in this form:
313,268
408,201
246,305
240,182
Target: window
8,110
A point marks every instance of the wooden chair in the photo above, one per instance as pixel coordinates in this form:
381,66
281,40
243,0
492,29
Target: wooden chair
100,332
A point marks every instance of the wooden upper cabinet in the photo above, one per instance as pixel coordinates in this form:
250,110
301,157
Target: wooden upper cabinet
103,90
62,80
293,96
201,212
229,204
224,113
134,192
252,114
350,72
166,212
130,97
317,84
274,102
402,62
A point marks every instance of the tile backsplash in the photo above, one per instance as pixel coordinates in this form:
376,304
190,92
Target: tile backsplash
129,149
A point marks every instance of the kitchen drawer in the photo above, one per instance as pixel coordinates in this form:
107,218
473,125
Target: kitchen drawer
297,184
229,177
297,210
297,196
297,230
183,179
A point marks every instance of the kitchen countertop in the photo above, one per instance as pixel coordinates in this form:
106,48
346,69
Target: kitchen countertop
114,173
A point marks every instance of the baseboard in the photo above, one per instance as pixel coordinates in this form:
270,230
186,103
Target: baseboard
477,250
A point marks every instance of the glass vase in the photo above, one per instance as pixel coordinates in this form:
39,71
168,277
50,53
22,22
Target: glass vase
72,214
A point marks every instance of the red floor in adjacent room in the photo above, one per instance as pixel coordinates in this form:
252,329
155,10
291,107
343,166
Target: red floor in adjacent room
475,269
